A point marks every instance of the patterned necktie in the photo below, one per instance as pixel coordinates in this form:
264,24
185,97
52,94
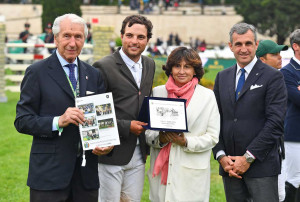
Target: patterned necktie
72,78
240,84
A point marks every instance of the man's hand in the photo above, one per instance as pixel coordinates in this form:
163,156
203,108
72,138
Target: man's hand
228,165
72,115
102,150
136,127
240,165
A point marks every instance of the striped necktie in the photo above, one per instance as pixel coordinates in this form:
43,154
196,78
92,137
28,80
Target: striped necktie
240,84
72,78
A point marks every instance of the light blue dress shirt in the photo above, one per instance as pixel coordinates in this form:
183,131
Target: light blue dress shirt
63,62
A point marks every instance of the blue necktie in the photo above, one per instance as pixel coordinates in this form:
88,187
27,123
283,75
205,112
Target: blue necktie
72,78
240,84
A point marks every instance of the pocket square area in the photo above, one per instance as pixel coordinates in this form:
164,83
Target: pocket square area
255,86
89,92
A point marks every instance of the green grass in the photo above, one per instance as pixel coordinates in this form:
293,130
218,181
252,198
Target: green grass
14,154
211,74
15,149
216,186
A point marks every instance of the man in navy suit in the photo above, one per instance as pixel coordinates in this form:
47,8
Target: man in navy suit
252,101
291,73
47,111
269,53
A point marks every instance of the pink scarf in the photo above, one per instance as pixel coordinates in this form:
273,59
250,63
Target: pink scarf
186,92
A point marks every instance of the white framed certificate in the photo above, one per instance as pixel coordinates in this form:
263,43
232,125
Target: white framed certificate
100,128
165,114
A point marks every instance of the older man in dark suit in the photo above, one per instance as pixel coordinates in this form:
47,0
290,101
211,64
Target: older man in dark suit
47,111
252,101
129,76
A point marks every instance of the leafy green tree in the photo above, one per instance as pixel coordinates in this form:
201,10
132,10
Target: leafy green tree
271,17
55,8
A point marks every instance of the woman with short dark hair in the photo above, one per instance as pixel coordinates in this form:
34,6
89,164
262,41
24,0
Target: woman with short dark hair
180,162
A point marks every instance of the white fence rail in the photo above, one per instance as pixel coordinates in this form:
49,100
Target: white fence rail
16,70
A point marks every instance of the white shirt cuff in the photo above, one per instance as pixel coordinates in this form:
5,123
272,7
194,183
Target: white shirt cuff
219,153
250,154
55,123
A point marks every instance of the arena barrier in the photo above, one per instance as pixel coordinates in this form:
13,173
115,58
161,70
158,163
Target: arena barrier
16,61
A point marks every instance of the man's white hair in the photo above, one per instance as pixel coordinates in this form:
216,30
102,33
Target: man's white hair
74,19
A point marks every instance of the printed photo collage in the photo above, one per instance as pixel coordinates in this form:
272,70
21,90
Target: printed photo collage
95,114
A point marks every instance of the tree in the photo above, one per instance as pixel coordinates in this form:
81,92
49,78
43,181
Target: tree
55,8
271,17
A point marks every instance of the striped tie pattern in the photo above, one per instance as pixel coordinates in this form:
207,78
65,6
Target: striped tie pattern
72,78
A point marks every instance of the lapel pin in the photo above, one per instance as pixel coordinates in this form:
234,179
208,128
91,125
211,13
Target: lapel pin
87,77
257,74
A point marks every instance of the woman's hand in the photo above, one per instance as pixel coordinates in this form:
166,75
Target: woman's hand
163,138
177,138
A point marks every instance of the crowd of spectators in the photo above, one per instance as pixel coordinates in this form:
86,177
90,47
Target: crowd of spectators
146,6
159,47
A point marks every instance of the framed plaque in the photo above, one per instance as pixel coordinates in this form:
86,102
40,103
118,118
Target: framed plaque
164,114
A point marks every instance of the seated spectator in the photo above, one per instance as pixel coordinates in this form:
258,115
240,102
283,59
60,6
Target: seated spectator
89,38
49,38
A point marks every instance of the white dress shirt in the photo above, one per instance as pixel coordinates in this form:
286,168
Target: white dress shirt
248,69
135,68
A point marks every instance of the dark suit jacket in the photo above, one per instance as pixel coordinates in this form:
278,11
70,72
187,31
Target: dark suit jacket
46,93
255,121
291,73
128,99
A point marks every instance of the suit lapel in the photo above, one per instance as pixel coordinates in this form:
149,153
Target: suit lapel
83,78
58,74
124,69
252,77
294,64
144,72
231,85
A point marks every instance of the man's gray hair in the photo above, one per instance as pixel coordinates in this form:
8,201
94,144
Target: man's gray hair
74,19
295,37
242,28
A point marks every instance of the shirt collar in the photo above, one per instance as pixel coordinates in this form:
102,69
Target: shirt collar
63,62
128,61
296,60
248,67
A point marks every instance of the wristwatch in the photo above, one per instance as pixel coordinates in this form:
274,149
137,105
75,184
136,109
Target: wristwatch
220,157
249,158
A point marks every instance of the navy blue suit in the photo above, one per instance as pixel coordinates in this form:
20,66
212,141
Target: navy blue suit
291,74
255,121
46,93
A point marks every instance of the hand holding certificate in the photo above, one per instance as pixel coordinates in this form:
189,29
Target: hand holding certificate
173,137
165,114
102,150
